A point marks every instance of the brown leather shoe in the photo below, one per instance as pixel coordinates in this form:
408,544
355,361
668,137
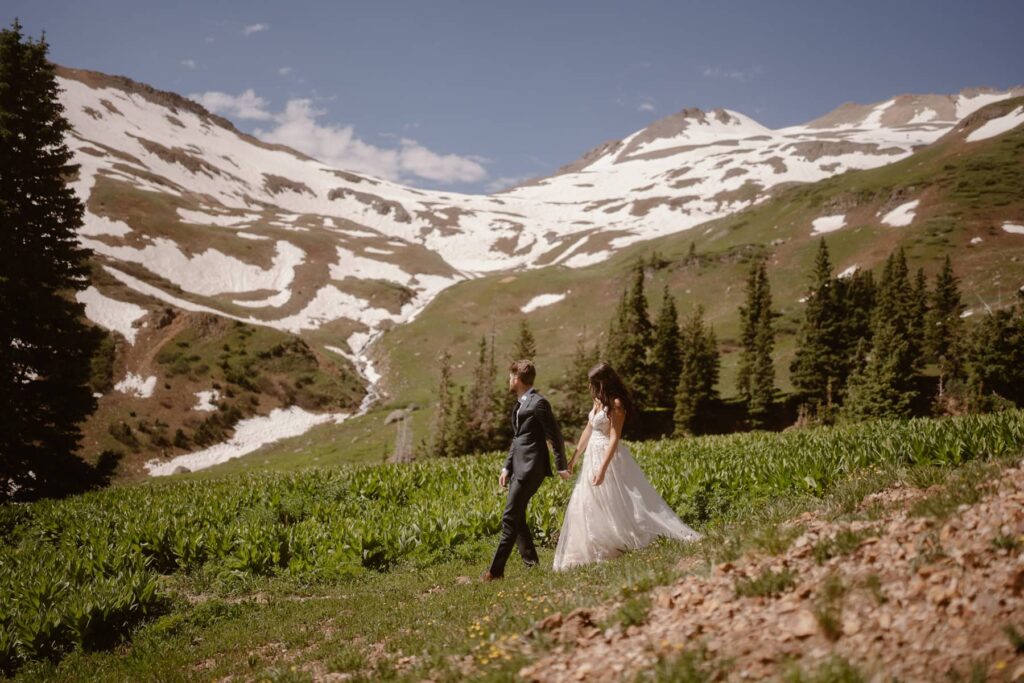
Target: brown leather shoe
488,576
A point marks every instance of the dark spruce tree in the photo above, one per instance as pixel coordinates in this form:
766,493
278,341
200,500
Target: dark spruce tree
574,387
918,317
630,339
459,430
526,345
816,369
882,383
483,402
666,356
695,392
756,375
995,359
879,385
445,405
944,326
45,346
856,295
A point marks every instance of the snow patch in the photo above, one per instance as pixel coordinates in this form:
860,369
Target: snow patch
1014,228
975,240
828,224
93,225
997,126
110,313
206,399
274,301
849,271
541,301
214,219
250,435
210,272
902,215
135,385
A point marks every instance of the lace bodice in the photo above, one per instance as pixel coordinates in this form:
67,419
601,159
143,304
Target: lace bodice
600,421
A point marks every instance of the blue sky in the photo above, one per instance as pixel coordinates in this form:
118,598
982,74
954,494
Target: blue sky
472,95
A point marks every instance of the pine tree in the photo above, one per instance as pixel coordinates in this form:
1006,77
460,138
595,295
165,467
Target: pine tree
445,405
856,295
816,369
944,326
756,375
666,356
995,358
882,385
630,336
45,346
575,386
483,404
459,435
526,345
695,392
918,316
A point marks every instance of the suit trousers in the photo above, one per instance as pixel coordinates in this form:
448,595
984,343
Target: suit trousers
514,529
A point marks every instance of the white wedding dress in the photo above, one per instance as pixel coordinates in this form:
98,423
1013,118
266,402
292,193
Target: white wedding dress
623,513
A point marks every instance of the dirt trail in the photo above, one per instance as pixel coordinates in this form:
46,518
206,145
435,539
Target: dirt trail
918,599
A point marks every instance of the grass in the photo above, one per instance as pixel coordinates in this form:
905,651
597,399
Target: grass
766,584
835,669
828,608
414,622
844,542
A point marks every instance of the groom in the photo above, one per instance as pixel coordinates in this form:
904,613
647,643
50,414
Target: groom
528,463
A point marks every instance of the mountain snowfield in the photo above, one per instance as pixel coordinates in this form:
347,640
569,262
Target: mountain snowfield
188,211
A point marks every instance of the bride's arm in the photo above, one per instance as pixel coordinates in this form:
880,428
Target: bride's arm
618,417
580,445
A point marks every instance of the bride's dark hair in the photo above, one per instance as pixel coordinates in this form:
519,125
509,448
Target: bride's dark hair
606,386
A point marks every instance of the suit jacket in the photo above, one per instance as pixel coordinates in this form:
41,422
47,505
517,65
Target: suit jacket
528,456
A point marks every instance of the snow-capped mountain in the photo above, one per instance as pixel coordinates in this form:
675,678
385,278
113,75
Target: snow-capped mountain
187,210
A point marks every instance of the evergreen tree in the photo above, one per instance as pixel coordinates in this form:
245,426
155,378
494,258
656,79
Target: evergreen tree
445,405
526,345
45,346
483,403
695,392
944,326
816,369
459,430
918,315
857,297
995,358
881,386
756,375
666,356
630,338
574,385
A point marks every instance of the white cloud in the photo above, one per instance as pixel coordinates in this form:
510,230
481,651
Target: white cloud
255,28
646,105
731,74
188,63
338,146
209,39
284,70
248,105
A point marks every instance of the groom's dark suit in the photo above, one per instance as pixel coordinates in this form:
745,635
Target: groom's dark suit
528,463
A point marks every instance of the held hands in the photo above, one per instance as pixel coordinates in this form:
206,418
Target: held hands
566,475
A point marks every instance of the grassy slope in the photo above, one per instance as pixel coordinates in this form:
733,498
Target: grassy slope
967,190
413,622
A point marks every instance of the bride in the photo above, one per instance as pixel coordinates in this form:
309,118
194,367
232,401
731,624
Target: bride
613,507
